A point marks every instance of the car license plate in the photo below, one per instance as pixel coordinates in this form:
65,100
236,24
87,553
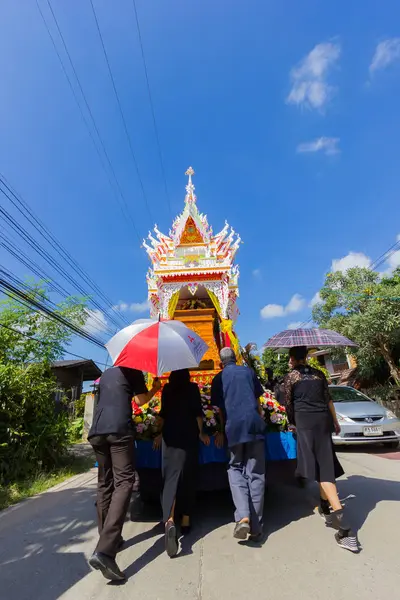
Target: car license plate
373,431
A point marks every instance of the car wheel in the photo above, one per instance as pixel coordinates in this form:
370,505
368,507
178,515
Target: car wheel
392,445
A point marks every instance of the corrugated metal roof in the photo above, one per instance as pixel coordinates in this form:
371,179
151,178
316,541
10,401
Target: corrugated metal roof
70,363
90,370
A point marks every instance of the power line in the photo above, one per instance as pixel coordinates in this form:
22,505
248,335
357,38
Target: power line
16,281
384,257
82,113
23,207
128,137
26,300
124,206
152,106
30,264
47,257
31,337
13,292
7,217
39,272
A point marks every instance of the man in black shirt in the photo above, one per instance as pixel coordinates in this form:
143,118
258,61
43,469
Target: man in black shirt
111,436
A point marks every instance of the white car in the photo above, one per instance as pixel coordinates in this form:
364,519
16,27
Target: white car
363,421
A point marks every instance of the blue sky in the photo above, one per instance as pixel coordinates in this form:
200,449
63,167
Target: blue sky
287,111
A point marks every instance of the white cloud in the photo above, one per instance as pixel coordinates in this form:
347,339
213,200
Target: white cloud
123,306
96,321
328,146
398,238
386,53
294,325
140,307
136,307
309,79
257,273
272,311
316,299
296,304
351,260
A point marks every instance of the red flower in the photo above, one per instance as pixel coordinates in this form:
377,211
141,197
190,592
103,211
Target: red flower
136,409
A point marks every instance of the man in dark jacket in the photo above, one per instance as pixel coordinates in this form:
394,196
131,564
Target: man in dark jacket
111,436
236,391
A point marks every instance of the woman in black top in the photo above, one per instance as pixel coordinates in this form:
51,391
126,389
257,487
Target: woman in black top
310,408
181,419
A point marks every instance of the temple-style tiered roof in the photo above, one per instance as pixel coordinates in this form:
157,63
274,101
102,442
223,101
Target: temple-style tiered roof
190,256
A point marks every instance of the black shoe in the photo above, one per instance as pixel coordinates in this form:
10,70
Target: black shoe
107,565
171,539
348,540
242,530
186,529
120,544
256,538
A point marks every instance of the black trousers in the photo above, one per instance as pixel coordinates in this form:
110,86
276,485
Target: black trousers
179,471
115,458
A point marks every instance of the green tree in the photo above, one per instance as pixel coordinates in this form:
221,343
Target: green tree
279,363
251,359
313,362
366,308
33,434
20,323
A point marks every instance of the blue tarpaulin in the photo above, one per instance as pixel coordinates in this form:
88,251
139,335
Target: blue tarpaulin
278,446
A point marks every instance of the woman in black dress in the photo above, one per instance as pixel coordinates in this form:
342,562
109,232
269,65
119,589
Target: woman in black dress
310,408
181,421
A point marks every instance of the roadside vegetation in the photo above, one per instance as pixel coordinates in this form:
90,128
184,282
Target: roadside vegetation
35,430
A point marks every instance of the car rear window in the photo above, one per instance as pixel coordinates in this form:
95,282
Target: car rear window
347,395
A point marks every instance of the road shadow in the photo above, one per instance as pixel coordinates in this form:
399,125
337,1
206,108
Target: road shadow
215,509
37,540
364,495
284,503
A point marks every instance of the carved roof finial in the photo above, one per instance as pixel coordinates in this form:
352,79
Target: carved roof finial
190,197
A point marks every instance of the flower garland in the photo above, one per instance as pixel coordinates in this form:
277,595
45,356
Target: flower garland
274,414
145,418
211,420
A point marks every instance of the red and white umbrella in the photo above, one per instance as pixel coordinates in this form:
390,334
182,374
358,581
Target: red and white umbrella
156,347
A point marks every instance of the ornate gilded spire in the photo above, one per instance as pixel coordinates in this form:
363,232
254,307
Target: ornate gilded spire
190,197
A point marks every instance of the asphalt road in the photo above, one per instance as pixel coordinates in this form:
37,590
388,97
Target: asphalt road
45,543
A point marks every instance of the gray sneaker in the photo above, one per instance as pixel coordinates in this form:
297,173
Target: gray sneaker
348,540
241,531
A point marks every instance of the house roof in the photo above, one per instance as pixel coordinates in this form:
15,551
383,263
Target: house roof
90,370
